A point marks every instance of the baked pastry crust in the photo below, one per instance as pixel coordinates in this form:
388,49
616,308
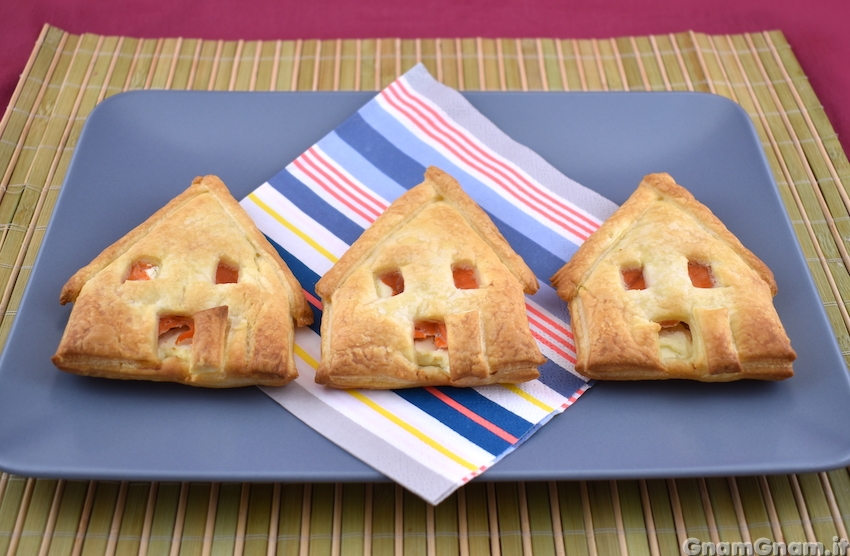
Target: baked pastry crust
367,333
731,329
243,331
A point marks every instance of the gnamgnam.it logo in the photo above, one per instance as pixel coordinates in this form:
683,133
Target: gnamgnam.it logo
764,547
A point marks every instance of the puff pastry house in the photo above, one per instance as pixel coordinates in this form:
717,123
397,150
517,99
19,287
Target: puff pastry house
195,294
664,290
430,294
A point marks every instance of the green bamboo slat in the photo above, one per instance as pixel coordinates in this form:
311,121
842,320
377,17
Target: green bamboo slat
288,538
660,506
383,518
257,516
447,527
466,59
506,498
598,501
321,519
539,515
353,518
721,509
839,483
413,532
36,521
130,528
572,517
100,519
488,74
164,511
476,515
634,520
814,499
687,496
754,522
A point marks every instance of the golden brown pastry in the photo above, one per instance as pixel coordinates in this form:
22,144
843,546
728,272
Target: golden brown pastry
195,294
663,290
430,294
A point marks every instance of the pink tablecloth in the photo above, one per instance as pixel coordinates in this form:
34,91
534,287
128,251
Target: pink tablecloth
816,29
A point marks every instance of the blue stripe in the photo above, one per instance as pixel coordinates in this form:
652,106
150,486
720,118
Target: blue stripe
423,154
559,379
314,206
463,425
383,154
387,158
305,276
503,418
361,169
550,244
541,262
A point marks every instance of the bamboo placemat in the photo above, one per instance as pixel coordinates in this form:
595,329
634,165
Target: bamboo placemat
67,75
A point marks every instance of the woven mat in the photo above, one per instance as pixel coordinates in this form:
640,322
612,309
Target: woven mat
68,75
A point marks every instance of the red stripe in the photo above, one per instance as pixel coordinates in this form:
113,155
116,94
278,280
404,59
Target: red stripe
482,167
584,219
312,299
478,419
300,164
550,321
469,158
557,349
339,179
490,165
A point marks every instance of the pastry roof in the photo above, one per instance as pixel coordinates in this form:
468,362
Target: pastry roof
653,188
438,186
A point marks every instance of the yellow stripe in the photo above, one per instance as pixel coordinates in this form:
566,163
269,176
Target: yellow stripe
300,352
424,438
528,397
292,228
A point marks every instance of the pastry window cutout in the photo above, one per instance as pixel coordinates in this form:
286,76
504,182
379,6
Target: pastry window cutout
701,275
390,283
142,270
211,335
633,278
430,341
226,272
176,329
729,329
675,340
465,276
430,334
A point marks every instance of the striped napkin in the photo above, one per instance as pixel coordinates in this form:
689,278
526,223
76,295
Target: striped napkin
430,440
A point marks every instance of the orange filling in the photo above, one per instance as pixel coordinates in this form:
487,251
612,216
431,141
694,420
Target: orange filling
464,277
394,280
428,328
226,274
633,278
168,323
139,271
700,275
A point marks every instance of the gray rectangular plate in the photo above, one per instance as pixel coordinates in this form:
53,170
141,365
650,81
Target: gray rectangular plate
140,149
